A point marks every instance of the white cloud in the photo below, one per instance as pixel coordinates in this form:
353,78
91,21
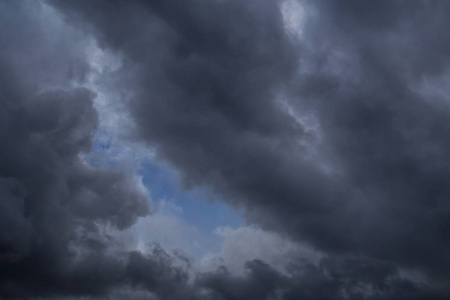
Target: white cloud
167,228
293,17
249,243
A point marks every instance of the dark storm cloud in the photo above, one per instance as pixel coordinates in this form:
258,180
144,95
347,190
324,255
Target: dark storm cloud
205,76
388,139
155,276
336,278
205,80
52,204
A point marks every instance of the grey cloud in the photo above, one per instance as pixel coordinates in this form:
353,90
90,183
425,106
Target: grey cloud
157,276
52,203
203,79
333,278
387,139
250,243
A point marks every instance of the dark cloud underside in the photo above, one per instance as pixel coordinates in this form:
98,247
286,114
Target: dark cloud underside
52,205
214,87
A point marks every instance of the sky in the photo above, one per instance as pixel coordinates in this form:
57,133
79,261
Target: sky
224,149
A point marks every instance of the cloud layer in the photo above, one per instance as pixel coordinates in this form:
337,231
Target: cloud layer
335,137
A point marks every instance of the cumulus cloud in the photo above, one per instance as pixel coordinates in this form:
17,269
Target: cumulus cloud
206,99
166,228
53,204
200,84
249,243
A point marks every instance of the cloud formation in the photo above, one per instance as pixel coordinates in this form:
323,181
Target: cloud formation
335,137
53,205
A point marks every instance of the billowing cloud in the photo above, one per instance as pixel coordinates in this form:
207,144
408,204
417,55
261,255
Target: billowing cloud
53,205
251,243
327,121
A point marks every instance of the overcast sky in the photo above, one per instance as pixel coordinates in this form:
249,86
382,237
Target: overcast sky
224,149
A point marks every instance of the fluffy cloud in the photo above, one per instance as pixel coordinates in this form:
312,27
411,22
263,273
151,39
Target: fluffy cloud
53,204
206,99
249,243
201,83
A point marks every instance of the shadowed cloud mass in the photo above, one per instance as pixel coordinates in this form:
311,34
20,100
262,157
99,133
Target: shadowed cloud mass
335,136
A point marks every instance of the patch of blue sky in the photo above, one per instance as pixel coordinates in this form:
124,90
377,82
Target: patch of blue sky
101,155
199,206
